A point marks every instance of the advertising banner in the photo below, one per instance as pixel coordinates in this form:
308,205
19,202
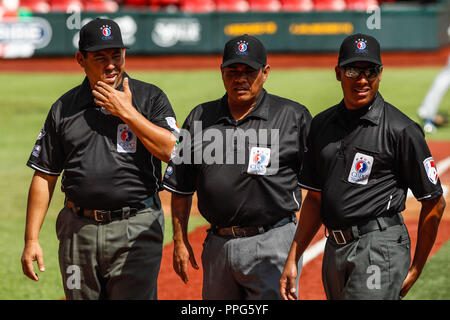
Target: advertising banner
153,33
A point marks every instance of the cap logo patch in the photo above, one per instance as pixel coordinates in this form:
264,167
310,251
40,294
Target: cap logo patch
361,46
242,47
106,32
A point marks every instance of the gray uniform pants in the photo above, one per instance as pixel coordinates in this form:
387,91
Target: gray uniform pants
246,268
116,260
371,267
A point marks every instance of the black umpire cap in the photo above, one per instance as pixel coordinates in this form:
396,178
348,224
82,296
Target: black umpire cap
100,34
245,49
359,47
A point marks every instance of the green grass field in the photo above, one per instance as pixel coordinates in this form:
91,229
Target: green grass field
26,99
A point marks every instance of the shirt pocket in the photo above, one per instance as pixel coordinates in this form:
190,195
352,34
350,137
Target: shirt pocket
260,160
360,166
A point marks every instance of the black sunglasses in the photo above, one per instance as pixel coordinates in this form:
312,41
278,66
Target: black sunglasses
355,72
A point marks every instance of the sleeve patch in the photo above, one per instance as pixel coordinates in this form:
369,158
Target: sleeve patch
173,124
431,170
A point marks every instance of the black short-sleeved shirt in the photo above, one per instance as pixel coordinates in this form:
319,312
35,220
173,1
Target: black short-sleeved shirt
364,166
105,166
245,172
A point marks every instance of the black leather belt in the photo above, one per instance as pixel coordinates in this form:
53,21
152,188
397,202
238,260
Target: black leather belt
344,236
105,216
240,232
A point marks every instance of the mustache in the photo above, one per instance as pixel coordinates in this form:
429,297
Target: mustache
241,87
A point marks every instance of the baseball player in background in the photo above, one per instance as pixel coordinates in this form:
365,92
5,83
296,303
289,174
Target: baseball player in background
428,111
362,156
108,137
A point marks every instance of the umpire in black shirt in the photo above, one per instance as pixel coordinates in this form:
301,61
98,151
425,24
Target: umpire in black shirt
108,137
363,154
242,155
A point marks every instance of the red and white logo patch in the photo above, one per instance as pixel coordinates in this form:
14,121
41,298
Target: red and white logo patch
361,168
258,161
126,139
173,124
431,170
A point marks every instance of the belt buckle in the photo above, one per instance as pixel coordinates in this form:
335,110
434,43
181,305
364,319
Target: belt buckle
242,233
233,232
340,241
103,214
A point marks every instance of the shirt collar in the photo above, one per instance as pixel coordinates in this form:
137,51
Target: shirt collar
260,110
372,115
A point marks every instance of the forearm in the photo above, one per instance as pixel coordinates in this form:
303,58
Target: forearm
308,225
158,141
430,216
183,253
181,207
39,196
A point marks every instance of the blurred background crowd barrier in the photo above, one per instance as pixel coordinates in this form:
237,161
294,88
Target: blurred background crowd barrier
152,27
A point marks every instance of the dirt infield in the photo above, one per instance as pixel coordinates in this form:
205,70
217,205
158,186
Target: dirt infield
170,287
196,62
